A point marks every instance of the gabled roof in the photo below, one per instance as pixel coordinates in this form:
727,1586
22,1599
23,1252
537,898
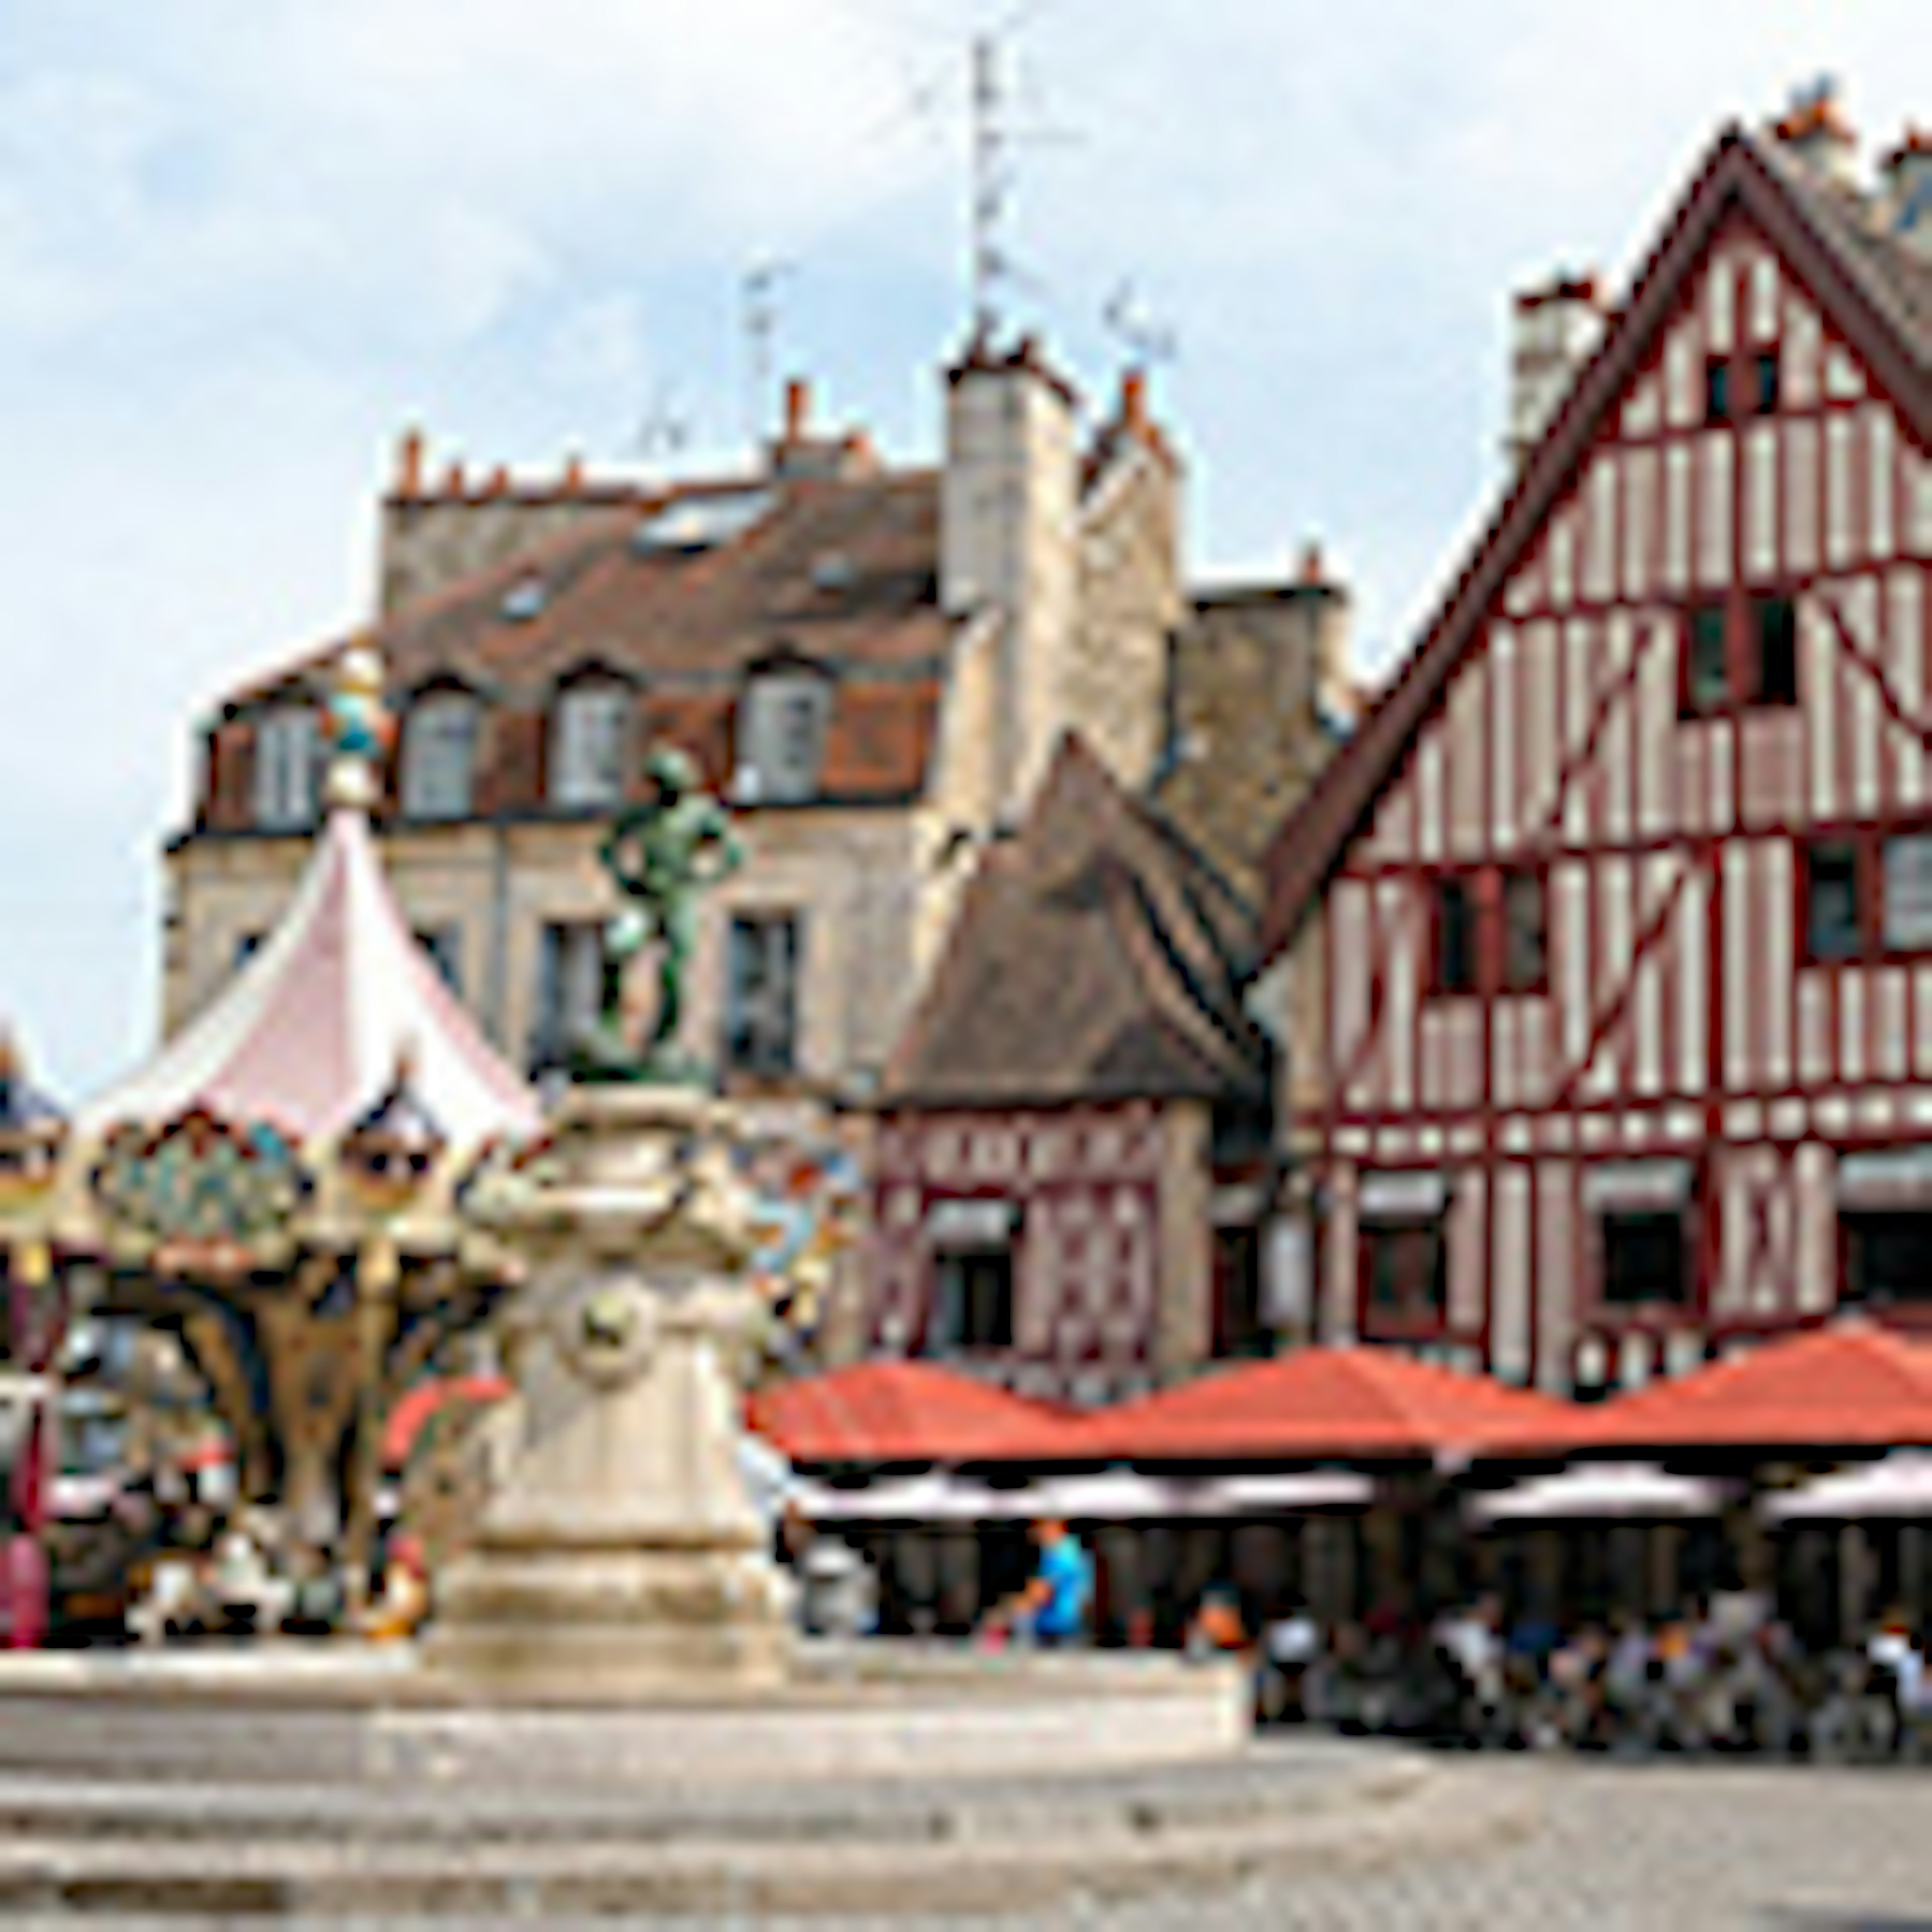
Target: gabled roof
1875,292
904,1412
1317,1403
1094,957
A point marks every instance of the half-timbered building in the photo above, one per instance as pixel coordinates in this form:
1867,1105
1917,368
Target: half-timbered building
1605,949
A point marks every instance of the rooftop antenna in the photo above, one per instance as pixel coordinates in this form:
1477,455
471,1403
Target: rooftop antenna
992,186
664,430
760,291
1148,340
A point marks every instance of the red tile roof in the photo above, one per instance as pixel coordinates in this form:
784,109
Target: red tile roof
1850,1385
1317,1404
903,1411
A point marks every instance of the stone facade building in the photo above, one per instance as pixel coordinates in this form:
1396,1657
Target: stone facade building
872,662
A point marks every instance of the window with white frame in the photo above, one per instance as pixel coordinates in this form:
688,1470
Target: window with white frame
288,757
761,995
570,989
440,756
1907,886
782,730
590,739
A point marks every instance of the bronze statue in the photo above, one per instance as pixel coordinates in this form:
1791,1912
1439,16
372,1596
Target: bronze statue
660,854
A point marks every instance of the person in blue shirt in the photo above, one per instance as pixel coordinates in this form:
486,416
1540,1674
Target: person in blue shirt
1054,1605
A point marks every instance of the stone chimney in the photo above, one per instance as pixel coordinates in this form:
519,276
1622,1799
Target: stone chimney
1009,500
1815,133
1905,194
1555,327
797,451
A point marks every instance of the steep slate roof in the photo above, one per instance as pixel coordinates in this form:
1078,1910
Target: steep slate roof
687,624
1875,293
1094,957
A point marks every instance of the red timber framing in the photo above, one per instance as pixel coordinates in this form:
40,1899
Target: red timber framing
1686,1057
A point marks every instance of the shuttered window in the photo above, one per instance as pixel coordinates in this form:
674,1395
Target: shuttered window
288,760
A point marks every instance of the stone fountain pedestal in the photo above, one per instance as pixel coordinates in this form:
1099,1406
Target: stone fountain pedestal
624,1553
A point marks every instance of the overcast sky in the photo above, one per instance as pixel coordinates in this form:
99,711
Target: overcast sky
243,242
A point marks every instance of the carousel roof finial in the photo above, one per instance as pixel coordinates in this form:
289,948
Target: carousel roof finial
358,728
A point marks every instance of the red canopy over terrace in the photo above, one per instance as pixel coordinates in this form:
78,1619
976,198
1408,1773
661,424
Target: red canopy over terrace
1319,1405
1852,1385
901,1412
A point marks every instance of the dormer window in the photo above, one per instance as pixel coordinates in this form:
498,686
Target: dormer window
782,726
440,756
288,757
590,732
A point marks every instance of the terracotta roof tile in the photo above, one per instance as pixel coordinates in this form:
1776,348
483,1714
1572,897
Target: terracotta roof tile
1094,957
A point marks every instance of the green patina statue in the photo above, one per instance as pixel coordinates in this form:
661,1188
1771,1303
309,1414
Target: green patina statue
660,854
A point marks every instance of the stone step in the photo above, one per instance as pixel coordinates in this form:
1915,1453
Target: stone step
1433,1812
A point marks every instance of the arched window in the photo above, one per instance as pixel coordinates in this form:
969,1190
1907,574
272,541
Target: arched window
589,744
440,756
781,727
288,759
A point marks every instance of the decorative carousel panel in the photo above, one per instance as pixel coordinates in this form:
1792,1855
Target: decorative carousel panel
200,1192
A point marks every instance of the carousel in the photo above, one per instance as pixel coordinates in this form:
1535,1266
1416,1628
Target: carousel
278,1191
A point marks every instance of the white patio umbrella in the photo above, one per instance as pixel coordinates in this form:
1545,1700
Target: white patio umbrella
1899,1485
1309,1489
1112,1495
1606,1491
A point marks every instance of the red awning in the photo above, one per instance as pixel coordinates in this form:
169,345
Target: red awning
1851,1385
1320,1404
902,1411
414,1410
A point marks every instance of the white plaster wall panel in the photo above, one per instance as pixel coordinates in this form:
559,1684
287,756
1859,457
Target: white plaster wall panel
1641,414
1523,593
1683,375
1781,1213
1639,520
1655,973
1656,728
1557,1287
1402,926
1504,680
1468,1251
1429,799
1801,495
1464,1037
1348,990
1905,637
1775,873
1840,475
1892,1048
1571,955
1761,500
1716,460
1617,739
1560,554
1740,967
1814,1012
1692,953
1615,953
1820,683
1798,358
1918,492
1877,1111
1678,473
1922,1009
1852,988
1338,1259
1432,1078
1720,306
1881,482
1540,733
1816,1270
1580,670
1468,754
1763,295
1509,1301
1720,749
1858,607
1600,531
1844,381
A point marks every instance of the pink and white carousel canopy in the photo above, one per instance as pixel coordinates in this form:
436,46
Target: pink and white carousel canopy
309,1036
